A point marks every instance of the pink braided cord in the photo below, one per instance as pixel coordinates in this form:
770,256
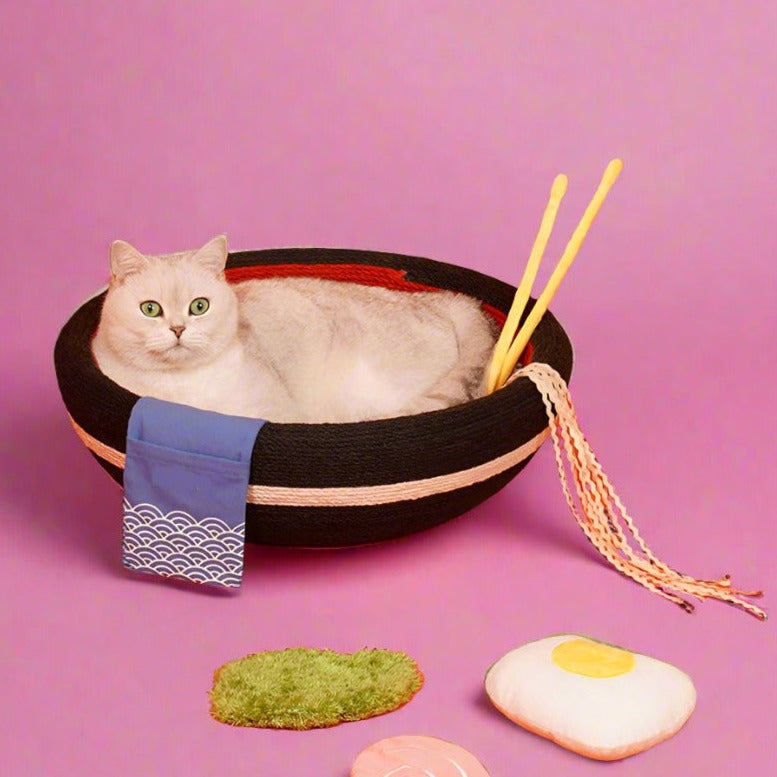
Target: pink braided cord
603,517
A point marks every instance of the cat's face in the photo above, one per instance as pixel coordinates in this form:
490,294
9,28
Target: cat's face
169,312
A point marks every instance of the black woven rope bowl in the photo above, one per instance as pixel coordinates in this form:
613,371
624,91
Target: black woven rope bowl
332,485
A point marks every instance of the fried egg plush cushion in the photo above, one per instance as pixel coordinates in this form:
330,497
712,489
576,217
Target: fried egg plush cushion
598,700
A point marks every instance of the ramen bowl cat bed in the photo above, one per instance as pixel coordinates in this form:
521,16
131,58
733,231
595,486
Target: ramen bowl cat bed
333,485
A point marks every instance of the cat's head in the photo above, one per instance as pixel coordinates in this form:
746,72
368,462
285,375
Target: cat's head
169,312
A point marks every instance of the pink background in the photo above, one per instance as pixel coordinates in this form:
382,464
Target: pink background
433,129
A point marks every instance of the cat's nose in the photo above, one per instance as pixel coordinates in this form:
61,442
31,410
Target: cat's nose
178,330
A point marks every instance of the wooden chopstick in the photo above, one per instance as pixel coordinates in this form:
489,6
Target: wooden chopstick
557,192
518,345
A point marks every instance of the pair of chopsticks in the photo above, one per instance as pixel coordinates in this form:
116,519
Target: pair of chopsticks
510,345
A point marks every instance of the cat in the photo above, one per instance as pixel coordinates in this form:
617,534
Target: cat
285,349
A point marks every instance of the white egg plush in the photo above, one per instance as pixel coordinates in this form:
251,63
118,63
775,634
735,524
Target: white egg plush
598,700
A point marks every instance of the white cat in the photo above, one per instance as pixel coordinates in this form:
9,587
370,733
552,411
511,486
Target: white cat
285,349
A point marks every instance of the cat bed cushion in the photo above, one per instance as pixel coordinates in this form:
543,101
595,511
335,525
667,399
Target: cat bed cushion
598,700
332,485
416,755
304,688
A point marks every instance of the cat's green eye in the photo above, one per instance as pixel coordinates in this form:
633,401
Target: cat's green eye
151,309
199,306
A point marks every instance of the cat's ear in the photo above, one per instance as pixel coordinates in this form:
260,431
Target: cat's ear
125,260
213,255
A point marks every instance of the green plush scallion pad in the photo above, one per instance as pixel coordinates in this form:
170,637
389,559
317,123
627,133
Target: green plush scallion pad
302,688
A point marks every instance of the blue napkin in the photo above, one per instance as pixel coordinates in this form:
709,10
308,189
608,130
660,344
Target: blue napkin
185,482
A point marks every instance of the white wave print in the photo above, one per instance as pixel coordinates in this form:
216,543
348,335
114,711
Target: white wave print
176,544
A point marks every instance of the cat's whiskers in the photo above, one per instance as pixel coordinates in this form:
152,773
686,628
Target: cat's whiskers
164,345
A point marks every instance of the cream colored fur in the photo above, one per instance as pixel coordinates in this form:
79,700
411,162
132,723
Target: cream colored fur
286,349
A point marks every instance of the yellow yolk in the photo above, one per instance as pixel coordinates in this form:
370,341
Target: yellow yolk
592,659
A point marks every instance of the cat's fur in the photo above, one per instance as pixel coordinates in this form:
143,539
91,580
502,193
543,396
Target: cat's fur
286,349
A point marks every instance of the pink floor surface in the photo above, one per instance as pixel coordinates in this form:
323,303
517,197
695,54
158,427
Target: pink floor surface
432,129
